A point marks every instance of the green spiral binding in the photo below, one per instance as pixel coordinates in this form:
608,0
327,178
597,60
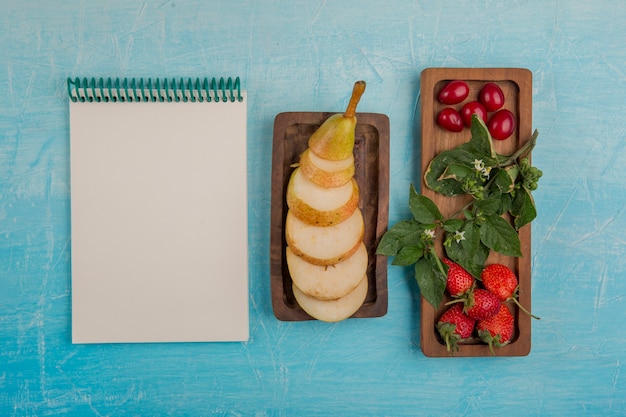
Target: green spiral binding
161,90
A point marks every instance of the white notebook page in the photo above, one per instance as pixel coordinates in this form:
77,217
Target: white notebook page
159,222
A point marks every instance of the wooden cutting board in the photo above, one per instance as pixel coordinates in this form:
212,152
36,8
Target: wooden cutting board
371,153
516,83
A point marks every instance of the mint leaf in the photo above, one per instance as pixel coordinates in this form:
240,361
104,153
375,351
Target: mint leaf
505,178
489,205
462,154
523,208
480,147
430,280
470,252
498,235
452,225
408,255
506,201
456,171
481,140
424,210
403,233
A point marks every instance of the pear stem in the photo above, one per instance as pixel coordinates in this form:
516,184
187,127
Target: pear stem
357,92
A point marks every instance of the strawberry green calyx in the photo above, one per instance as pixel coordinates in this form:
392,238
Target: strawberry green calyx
449,336
492,341
497,331
454,326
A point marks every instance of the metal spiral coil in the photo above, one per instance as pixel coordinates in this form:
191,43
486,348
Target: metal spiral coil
157,90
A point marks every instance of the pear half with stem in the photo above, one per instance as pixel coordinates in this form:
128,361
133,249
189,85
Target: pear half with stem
324,245
324,172
321,206
334,139
333,310
328,282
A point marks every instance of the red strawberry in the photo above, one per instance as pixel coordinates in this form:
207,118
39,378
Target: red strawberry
498,330
455,326
459,281
481,304
502,281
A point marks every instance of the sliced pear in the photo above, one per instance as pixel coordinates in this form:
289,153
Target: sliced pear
324,245
324,172
333,310
320,206
328,282
334,139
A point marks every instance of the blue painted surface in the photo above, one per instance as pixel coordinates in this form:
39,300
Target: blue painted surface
304,56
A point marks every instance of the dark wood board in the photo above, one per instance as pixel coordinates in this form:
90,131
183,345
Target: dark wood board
516,84
371,153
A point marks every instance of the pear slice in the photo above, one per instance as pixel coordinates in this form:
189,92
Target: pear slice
333,310
334,139
324,172
320,206
328,282
324,245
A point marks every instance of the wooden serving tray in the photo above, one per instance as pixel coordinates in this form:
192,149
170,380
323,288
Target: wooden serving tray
516,83
371,153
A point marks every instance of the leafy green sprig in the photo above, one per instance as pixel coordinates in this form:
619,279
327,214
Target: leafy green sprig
499,185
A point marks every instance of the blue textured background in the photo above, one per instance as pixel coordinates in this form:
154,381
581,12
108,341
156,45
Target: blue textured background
304,56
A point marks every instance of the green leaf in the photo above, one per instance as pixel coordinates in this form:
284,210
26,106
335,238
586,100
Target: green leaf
456,171
424,210
489,205
481,141
505,178
403,233
523,208
505,203
408,255
430,280
462,154
470,252
480,147
452,225
498,235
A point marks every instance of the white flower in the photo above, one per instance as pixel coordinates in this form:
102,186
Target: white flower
485,172
459,236
479,165
430,233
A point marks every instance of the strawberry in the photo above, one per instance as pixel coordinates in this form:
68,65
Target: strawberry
502,281
459,281
497,330
455,326
481,304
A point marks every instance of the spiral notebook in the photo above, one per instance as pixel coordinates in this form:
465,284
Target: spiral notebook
158,210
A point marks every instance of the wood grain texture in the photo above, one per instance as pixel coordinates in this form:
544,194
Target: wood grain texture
292,131
305,56
516,84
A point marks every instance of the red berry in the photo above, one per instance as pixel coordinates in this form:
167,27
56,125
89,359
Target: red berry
501,124
491,96
454,92
473,107
450,119
455,326
459,281
482,304
500,280
498,330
